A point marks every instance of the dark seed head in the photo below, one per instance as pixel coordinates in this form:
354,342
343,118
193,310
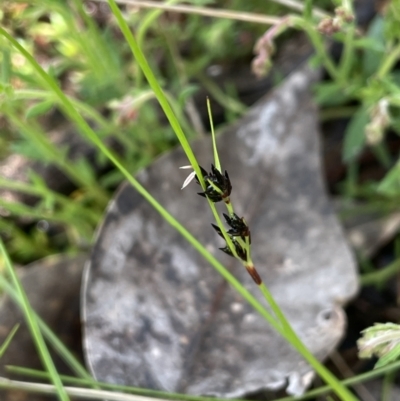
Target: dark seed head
239,228
218,180
218,230
242,254
227,250
204,174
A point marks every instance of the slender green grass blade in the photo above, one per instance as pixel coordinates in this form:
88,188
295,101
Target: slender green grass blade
152,80
33,327
216,157
8,340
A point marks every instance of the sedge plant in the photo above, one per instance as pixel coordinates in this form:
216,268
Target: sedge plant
279,322
237,245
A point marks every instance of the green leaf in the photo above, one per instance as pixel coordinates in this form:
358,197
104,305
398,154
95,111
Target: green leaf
37,180
86,170
372,58
7,90
8,340
370,44
188,91
30,150
39,109
111,179
391,356
391,83
48,199
314,61
390,185
329,94
307,13
354,137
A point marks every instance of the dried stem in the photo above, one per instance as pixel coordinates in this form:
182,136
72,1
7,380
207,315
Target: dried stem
83,393
207,12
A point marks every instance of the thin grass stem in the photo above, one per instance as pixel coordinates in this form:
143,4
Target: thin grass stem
379,277
144,26
190,105
217,162
33,327
8,340
57,345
